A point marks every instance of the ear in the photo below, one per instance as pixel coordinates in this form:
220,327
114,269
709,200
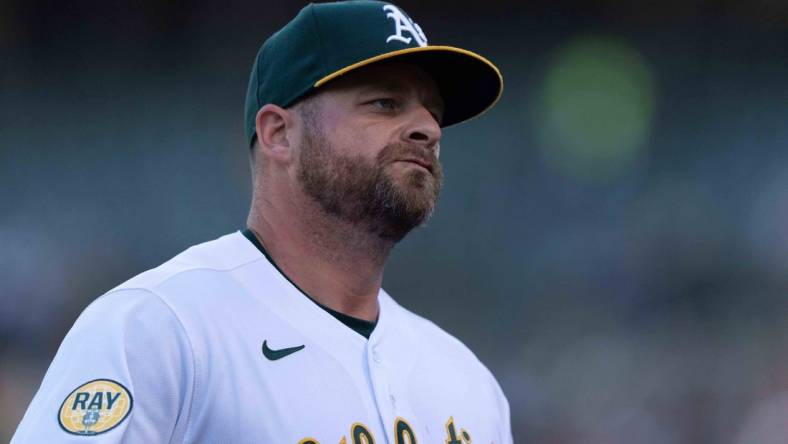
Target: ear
272,125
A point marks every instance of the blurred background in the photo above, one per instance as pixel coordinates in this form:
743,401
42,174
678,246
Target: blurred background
612,240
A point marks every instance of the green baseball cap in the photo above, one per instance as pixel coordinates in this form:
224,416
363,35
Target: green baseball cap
327,40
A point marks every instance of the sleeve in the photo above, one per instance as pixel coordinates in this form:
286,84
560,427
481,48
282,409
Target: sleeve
124,373
505,420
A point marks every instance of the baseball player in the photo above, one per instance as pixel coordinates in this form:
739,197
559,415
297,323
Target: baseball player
281,333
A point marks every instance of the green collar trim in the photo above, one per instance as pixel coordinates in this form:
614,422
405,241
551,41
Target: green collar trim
360,326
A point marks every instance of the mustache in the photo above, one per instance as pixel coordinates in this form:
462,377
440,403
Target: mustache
403,151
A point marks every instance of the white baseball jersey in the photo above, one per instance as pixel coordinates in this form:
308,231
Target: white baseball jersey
217,346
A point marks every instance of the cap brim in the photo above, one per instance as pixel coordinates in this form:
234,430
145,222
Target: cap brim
469,83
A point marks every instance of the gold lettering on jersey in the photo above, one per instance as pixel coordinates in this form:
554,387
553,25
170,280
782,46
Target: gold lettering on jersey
95,407
403,434
451,434
361,434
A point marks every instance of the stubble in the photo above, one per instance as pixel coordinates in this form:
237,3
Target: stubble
369,193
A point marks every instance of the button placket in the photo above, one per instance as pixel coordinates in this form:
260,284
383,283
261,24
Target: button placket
382,390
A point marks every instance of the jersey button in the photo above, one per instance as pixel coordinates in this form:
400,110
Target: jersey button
376,357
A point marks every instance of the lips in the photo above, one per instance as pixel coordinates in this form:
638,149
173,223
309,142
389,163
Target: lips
424,164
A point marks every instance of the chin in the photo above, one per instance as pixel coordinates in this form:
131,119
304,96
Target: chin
412,208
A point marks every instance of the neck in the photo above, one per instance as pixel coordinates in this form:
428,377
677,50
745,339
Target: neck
338,264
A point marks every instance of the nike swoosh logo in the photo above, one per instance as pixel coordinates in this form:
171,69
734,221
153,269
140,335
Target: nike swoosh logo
273,355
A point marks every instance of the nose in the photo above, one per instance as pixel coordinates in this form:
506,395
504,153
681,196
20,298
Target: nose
423,129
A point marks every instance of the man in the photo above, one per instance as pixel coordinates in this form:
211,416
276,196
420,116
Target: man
281,333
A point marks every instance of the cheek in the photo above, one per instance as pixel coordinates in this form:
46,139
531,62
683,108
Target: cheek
353,135
352,143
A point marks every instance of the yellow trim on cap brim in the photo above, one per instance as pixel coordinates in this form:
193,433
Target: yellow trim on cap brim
400,52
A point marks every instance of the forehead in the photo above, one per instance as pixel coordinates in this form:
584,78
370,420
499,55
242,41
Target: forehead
395,76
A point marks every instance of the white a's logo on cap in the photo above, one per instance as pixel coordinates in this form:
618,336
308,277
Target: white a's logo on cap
402,23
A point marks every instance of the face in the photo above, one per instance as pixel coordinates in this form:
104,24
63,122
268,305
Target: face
369,149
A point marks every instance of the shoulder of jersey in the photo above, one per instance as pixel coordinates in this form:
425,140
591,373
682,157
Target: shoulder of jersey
219,255
440,340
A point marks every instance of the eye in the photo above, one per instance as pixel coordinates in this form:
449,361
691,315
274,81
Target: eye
385,103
